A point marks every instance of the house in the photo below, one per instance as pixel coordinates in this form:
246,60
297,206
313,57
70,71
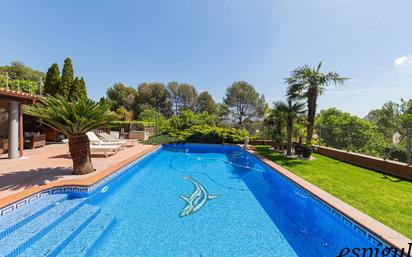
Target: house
11,121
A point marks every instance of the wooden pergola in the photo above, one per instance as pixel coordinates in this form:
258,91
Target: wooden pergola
15,100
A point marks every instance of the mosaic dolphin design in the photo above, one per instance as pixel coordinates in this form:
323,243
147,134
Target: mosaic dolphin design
198,198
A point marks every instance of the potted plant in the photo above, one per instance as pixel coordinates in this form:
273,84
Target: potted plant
74,120
306,151
298,148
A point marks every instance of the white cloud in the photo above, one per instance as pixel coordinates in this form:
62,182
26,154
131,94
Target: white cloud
401,61
370,89
369,26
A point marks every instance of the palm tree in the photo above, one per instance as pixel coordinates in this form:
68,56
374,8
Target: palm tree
278,120
73,119
290,111
309,83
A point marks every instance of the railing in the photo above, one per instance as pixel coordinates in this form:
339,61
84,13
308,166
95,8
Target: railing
21,86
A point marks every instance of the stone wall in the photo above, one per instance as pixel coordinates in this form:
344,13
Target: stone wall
397,169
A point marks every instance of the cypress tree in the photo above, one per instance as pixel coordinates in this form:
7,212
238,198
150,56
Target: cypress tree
78,90
82,88
52,82
73,95
67,78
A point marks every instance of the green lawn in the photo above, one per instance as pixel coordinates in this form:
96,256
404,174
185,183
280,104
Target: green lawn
385,198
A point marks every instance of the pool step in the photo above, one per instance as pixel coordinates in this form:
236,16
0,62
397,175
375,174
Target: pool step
17,218
56,239
89,237
23,237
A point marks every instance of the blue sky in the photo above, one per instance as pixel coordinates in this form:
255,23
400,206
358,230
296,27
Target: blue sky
213,43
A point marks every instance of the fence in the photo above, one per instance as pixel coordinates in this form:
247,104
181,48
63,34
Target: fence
388,144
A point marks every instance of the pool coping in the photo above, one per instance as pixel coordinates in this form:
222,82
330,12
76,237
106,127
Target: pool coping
383,232
30,193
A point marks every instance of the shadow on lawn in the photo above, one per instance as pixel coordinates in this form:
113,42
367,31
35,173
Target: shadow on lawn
287,162
279,158
394,179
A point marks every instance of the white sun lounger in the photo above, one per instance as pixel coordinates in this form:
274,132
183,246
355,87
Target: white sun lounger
95,140
102,149
105,149
109,138
99,148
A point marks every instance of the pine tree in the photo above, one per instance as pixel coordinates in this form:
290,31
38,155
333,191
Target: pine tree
53,80
67,78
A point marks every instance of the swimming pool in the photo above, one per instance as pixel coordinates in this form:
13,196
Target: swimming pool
193,200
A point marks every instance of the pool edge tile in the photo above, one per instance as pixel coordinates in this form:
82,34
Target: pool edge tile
12,202
372,226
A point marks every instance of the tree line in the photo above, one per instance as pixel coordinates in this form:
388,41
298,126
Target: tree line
373,135
54,82
381,133
19,71
242,103
66,85
295,119
242,106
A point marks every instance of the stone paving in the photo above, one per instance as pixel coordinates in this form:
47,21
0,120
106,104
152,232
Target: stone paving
49,164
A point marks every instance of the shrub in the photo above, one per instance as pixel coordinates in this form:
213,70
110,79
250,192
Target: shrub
202,135
149,115
212,135
188,119
161,139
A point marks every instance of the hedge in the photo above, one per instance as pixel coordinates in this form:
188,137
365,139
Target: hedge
211,135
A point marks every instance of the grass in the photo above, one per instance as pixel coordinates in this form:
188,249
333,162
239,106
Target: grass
383,197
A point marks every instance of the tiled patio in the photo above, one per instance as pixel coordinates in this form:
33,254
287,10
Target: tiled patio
48,164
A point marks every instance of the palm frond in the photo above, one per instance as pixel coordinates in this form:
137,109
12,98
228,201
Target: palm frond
70,118
305,78
334,78
318,68
289,109
295,91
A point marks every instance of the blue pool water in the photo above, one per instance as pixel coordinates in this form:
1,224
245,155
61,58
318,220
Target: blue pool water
188,200
257,212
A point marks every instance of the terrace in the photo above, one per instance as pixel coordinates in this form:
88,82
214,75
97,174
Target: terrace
44,167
